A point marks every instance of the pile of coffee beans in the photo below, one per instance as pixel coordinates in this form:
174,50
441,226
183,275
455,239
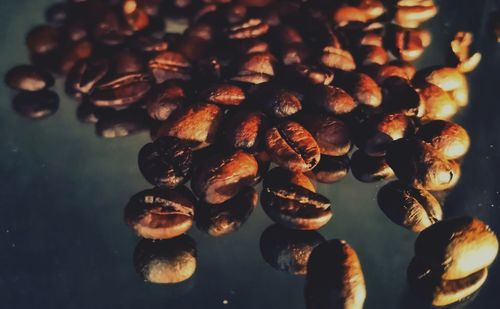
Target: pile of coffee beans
229,88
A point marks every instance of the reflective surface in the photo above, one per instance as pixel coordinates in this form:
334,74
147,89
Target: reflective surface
64,244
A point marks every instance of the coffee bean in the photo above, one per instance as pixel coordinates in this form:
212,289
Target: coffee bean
86,74
245,129
160,213
413,208
337,58
450,80
372,54
369,169
412,14
57,13
312,74
380,73
401,97
256,68
334,277
458,247
278,176
288,250
122,90
166,261
134,15
330,169
121,123
333,99
228,217
349,14
448,138
281,103
293,147
331,134
438,103
197,124
150,44
363,89
249,29
295,207
223,94
72,53
170,65
36,105
409,44
43,39
89,113
127,61
165,99
408,67
28,78
76,30
166,162
417,162
223,176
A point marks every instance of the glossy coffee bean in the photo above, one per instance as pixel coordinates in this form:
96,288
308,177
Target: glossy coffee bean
312,74
288,250
170,65
256,68
417,162
408,67
295,207
223,94
438,103
401,97
410,14
330,169
450,80
121,123
28,78
413,208
89,113
228,217
363,89
333,99
278,176
222,176
281,103
166,162
409,44
249,29
86,74
36,105
334,277
369,169
458,247
379,73
167,261
337,58
197,124
293,147
127,61
72,53
165,99
43,39
245,129
331,134
122,90
372,54
448,138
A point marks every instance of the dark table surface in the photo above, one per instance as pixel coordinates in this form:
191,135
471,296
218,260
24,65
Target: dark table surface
64,244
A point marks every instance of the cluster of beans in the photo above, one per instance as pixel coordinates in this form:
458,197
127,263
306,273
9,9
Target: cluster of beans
228,87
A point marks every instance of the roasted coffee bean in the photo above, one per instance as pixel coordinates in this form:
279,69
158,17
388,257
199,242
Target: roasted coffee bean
256,68
438,103
334,277
127,61
245,129
417,162
278,176
169,65
401,97
165,99
448,138
381,72
413,208
331,134
166,162
295,207
368,169
288,250
122,123
86,74
134,15
409,44
36,105
337,58
166,261
372,54
293,147
450,80
281,103
249,29
372,8
28,78
72,53
197,124
43,39
57,13
349,14
456,248
228,217
223,94
108,29
361,87
330,169
223,176
122,90
379,131
406,66
333,99
89,113
312,74
150,44
160,213
410,14
76,30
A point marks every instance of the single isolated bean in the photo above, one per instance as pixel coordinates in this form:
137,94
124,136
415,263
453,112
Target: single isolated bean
28,78
36,105
369,169
330,169
122,90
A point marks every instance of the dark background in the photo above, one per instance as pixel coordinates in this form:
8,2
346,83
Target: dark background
63,242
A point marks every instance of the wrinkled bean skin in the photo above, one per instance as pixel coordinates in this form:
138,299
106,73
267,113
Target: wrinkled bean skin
244,129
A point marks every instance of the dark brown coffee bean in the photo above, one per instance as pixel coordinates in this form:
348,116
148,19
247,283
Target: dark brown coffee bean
76,30
57,13
334,277
170,65
409,44
312,74
281,103
165,99
448,138
293,147
160,213
43,39
363,89
121,123
381,72
36,105
372,54
333,99
278,176
411,14
197,124
331,134
295,207
223,176
413,208
86,74
370,169
407,67
166,162
122,90
288,250
401,97
228,217
337,58
134,15
245,129
150,44
108,29
89,113
438,103
456,248
127,61
167,261
418,163
28,78
249,29
72,53
330,169
256,68
223,94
